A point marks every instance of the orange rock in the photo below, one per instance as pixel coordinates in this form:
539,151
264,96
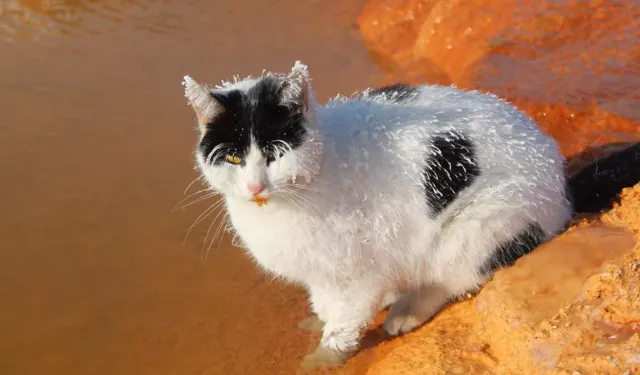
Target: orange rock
515,305
572,65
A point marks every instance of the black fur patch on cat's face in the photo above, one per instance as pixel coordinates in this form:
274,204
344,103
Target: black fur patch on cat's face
259,114
451,166
397,93
507,253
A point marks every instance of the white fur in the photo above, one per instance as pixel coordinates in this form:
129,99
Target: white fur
356,228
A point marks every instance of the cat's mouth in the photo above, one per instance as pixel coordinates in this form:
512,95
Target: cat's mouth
259,200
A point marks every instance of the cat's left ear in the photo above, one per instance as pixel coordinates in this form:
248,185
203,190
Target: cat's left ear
297,89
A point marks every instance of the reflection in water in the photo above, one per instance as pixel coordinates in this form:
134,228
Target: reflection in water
26,18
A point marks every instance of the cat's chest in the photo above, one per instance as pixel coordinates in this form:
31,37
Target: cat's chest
283,230
280,241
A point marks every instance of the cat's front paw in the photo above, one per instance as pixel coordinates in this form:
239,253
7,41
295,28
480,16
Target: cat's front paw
401,323
324,357
389,299
311,323
413,310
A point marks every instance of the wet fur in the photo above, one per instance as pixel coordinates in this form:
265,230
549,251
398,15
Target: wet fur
405,196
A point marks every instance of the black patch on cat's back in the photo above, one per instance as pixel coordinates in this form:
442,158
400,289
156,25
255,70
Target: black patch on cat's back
507,253
397,93
450,167
257,113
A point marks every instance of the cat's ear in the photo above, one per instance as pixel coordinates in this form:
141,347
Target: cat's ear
206,106
297,88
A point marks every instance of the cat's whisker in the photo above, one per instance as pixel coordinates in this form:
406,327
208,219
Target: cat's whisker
218,234
297,201
222,223
194,193
284,192
301,198
189,196
202,256
290,200
307,200
197,200
191,183
200,218
285,197
305,187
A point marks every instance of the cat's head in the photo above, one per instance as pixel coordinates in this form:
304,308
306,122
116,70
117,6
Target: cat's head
258,136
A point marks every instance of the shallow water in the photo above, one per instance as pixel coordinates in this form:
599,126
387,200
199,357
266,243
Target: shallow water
95,142
95,152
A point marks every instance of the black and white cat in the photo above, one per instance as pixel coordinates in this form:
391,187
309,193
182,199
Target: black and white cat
405,195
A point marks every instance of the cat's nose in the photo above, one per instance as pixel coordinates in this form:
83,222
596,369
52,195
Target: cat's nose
255,189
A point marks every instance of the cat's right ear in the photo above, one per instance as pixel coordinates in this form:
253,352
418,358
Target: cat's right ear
206,106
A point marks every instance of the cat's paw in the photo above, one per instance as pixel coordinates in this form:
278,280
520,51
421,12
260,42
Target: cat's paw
324,357
311,323
389,299
401,323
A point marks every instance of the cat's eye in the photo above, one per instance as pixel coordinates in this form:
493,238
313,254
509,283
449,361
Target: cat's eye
233,159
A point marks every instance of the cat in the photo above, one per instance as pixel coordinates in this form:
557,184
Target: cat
405,196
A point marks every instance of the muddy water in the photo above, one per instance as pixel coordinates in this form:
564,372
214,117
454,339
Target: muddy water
95,152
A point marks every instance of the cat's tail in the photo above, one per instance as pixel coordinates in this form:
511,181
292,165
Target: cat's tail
595,187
